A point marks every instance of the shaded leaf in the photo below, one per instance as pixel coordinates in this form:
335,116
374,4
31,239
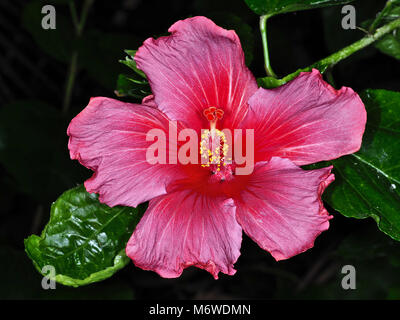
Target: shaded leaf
99,54
33,149
390,45
135,85
131,63
371,253
59,43
336,37
368,244
129,86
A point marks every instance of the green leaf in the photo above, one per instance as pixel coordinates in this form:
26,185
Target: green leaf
274,7
368,182
84,240
135,85
131,63
390,45
130,86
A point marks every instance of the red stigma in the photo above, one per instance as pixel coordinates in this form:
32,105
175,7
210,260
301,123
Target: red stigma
213,113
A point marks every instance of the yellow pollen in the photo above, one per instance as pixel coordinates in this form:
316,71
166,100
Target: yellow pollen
213,148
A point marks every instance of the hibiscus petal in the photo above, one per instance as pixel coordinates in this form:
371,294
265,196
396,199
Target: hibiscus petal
281,208
306,120
199,65
109,137
183,229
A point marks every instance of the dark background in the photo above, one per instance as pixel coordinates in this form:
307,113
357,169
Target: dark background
35,167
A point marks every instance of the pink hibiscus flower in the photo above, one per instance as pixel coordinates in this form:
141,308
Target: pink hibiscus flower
196,212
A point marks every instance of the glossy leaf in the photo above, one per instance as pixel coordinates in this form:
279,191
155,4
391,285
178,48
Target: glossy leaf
84,239
368,182
274,7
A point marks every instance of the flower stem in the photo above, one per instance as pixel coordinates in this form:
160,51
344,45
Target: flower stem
263,29
73,66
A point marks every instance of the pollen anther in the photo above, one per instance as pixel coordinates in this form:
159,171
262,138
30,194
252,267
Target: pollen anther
213,148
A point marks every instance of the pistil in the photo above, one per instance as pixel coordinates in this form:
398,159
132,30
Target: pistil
213,145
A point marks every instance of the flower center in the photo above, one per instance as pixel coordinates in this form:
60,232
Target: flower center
213,145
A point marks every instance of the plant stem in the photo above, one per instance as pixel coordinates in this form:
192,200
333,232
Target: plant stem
73,66
263,29
380,16
74,16
356,46
85,10
340,55
336,57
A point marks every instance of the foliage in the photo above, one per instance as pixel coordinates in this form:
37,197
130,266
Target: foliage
85,239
